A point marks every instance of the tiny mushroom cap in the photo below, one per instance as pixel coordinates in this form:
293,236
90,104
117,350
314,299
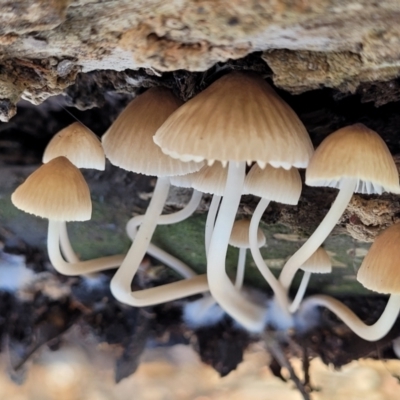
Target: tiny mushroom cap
128,143
354,152
237,118
182,181
379,270
240,235
79,144
275,184
57,191
318,263
211,179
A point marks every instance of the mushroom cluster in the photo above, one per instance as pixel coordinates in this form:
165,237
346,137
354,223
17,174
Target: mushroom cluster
205,144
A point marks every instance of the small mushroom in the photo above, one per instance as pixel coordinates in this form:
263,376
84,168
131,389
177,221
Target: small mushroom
353,159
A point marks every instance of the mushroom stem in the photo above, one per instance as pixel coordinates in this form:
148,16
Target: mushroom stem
343,198
181,215
210,222
65,244
121,282
240,268
80,267
300,292
248,314
367,332
279,292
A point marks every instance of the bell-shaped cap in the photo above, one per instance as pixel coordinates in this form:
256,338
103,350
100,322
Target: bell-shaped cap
128,143
240,235
354,152
379,270
79,144
318,263
275,184
57,191
237,118
183,181
211,179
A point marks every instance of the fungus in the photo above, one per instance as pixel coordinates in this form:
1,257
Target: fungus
378,272
353,159
57,191
83,148
237,119
240,239
318,263
128,144
271,184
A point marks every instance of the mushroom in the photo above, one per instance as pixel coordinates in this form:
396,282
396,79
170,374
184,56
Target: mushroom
378,272
57,191
271,184
240,239
83,148
128,144
353,159
237,119
318,263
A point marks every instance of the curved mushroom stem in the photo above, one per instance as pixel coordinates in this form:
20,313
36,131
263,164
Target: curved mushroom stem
367,332
210,222
121,282
320,234
300,292
65,244
240,268
181,215
279,291
80,267
248,314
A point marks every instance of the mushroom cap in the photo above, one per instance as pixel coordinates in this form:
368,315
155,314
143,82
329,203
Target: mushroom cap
318,263
240,235
354,152
237,118
379,270
276,184
183,181
79,144
211,179
57,191
128,143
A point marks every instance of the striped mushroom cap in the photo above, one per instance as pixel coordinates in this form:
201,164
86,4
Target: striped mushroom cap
354,152
237,118
275,184
318,263
128,143
79,144
240,235
56,191
379,270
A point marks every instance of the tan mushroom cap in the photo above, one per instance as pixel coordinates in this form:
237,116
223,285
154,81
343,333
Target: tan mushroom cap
56,191
354,152
379,270
276,184
237,118
211,179
128,143
318,263
240,235
183,181
79,144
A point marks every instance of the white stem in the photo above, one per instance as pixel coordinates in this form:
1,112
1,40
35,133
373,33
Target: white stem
279,292
300,292
210,222
121,282
78,268
173,262
65,244
240,268
181,215
248,314
320,234
367,332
